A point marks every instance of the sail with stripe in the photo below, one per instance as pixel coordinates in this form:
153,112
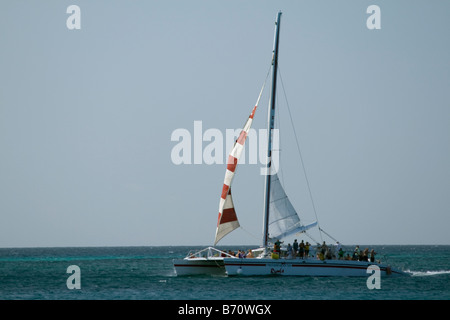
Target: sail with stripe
227,220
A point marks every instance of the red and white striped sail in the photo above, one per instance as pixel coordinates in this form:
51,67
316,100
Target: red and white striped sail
228,220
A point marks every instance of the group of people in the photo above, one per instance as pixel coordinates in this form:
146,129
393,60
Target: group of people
297,250
363,255
301,250
240,254
326,252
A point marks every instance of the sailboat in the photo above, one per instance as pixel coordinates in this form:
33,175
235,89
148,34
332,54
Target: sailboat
280,220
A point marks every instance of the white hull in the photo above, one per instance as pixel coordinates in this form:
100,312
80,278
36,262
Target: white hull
199,266
302,267
208,261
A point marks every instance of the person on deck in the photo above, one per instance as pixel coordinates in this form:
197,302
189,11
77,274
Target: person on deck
372,255
307,245
277,246
365,255
323,248
295,247
356,253
289,251
341,254
338,246
301,250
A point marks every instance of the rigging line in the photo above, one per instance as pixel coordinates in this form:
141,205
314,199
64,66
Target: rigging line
312,238
249,233
278,125
264,84
300,153
328,234
261,92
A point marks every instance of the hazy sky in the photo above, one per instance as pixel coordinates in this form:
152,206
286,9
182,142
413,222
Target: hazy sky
86,118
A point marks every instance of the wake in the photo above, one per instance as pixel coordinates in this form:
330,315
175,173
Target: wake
428,273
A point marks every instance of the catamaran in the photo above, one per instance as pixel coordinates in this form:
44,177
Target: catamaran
280,220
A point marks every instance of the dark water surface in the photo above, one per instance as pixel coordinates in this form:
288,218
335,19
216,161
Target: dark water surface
147,273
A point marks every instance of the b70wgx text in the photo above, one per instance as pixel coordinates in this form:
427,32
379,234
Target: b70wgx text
227,309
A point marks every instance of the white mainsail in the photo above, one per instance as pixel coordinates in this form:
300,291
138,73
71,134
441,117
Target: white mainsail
283,219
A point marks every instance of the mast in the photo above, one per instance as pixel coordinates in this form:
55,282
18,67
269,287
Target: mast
270,127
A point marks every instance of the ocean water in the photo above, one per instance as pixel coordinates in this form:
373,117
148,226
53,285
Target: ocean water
112,273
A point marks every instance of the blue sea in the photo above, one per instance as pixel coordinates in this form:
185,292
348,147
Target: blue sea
147,273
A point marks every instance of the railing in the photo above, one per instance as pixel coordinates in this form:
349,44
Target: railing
207,253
